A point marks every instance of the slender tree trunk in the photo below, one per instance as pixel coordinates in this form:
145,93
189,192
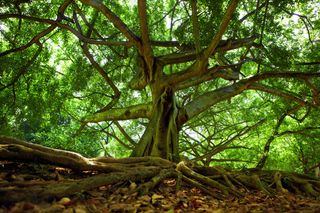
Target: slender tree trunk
265,154
160,138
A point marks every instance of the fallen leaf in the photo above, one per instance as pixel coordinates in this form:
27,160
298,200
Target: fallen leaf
80,209
157,197
218,211
64,201
170,210
24,207
145,198
133,186
170,182
122,207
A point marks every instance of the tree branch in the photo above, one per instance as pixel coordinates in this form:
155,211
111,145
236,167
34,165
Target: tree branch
190,55
171,44
299,131
192,72
305,21
45,32
122,143
146,50
104,75
195,26
285,74
265,88
24,69
208,99
132,112
222,28
34,40
315,92
223,145
200,65
215,72
117,22
125,134
276,134
258,8
80,36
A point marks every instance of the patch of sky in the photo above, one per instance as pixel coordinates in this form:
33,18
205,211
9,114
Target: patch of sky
132,3
55,59
136,94
3,28
193,135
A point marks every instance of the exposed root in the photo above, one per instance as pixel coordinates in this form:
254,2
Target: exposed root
306,186
277,181
146,172
56,190
15,149
203,187
145,188
205,180
253,181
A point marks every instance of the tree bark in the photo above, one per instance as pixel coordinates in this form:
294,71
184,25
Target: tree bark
161,136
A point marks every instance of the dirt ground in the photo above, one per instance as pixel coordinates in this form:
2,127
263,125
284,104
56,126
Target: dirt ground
119,197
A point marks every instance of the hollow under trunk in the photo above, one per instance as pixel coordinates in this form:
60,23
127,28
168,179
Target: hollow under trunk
160,138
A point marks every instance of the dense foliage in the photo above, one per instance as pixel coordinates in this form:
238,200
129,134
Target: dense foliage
64,61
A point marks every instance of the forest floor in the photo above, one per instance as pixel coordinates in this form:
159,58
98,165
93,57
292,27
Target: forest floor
117,198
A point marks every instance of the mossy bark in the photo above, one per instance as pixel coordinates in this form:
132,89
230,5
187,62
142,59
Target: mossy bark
161,136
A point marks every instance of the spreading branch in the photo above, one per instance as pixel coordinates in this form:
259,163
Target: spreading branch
132,112
192,72
306,22
224,144
24,69
190,55
253,12
195,26
125,134
208,99
78,34
222,28
277,92
117,22
36,38
104,75
146,46
225,72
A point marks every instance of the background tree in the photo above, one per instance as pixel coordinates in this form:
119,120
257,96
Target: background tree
222,73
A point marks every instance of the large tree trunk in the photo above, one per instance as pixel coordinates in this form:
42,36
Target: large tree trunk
160,138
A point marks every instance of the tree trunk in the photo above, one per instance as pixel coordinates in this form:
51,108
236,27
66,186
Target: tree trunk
160,138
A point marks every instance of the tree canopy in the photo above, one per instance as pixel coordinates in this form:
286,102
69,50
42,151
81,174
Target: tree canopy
213,81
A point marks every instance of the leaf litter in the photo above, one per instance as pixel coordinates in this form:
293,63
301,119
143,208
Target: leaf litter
119,197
